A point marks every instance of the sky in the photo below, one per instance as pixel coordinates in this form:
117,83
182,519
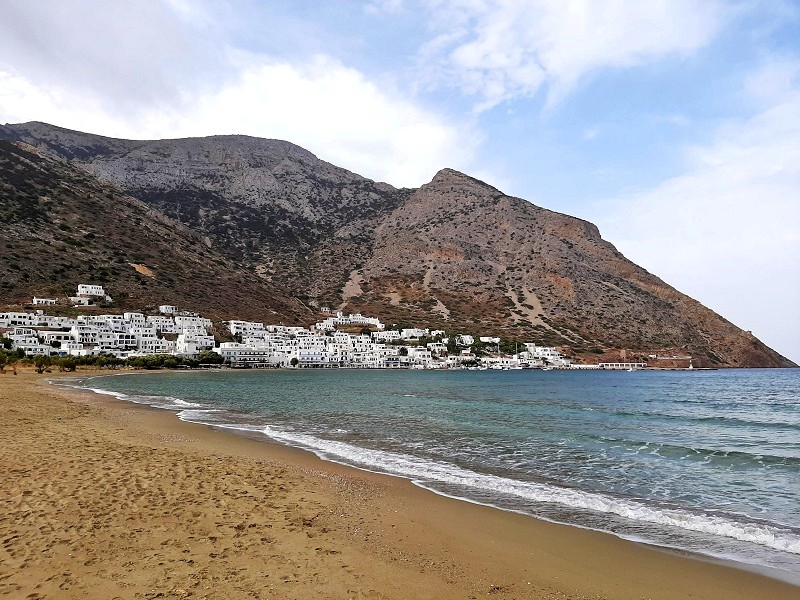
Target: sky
674,125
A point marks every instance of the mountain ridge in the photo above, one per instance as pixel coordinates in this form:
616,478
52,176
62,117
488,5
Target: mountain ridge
455,253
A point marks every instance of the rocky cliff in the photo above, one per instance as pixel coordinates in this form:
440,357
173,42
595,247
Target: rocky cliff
455,253
62,226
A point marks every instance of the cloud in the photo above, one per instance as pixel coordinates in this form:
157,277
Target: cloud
499,50
133,54
151,74
327,106
727,231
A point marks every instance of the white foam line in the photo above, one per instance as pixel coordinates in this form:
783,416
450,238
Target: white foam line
430,471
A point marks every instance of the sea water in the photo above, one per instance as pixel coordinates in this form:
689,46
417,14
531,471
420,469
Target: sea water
704,461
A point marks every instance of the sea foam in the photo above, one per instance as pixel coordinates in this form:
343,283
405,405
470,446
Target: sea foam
428,472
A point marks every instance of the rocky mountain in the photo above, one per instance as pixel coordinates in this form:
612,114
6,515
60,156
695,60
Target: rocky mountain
455,253
62,226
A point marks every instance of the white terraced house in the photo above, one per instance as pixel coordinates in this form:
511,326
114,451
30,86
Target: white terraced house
90,290
113,322
387,336
191,344
340,319
465,340
184,323
84,334
50,321
551,355
437,347
413,333
23,335
135,319
71,347
44,301
13,319
162,324
55,337
245,328
127,341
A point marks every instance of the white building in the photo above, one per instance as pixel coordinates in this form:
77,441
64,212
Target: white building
90,290
167,309
413,333
547,355
386,336
341,319
189,344
44,301
35,349
245,328
135,319
623,366
161,324
55,337
437,348
464,340
184,324
14,319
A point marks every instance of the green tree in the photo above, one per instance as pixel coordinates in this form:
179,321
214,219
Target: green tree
41,363
294,362
68,363
3,361
403,351
209,357
451,345
137,362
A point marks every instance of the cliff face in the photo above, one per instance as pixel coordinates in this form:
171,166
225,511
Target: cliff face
455,253
461,251
62,226
265,203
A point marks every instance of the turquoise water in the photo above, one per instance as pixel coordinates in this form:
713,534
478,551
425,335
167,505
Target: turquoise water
702,461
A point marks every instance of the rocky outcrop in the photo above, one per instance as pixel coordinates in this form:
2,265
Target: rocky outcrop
62,227
455,253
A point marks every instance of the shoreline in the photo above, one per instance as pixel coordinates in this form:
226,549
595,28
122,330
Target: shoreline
791,577
426,541
762,570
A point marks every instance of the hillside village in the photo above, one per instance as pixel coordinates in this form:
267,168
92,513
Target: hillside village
338,340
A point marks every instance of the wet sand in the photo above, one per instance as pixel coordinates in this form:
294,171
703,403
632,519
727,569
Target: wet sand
106,499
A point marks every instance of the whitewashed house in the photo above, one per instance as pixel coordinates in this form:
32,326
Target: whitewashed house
13,319
135,319
464,340
44,301
413,333
386,336
91,290
161,324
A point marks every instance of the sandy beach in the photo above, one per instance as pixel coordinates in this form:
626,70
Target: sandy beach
106,499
